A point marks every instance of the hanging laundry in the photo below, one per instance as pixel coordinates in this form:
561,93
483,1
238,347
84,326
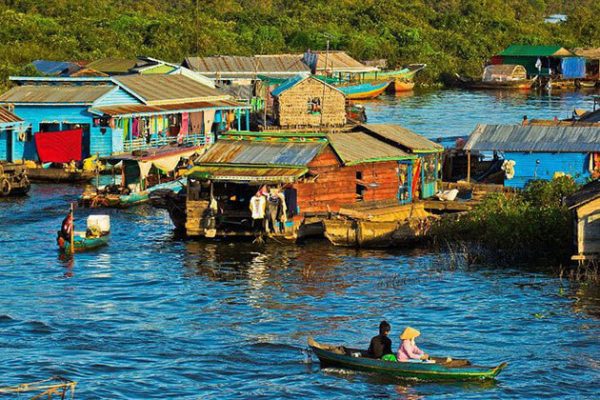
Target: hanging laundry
135,128
184,123
209,119
125,123
196,121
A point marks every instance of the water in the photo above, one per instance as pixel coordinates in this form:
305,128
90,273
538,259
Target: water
155,317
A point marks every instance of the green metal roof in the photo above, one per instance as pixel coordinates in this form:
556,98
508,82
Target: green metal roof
535,51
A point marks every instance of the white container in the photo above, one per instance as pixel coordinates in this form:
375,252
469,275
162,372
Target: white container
101,222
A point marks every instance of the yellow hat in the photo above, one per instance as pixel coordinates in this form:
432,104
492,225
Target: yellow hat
409,333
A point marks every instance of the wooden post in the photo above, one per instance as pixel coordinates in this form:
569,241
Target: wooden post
72,238
469,166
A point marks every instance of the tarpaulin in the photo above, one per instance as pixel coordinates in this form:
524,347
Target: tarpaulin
573,67
59,147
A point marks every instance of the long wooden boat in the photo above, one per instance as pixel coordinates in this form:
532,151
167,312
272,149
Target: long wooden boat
364,91
115,200
406,73
478,84
403,85
58,175
441,370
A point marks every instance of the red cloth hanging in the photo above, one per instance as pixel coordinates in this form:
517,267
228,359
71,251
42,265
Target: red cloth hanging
59,147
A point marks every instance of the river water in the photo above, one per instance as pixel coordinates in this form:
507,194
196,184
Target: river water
156,317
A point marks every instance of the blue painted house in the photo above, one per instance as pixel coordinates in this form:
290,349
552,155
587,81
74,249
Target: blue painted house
121,114
540,152
13,133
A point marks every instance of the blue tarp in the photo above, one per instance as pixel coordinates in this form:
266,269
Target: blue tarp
573,67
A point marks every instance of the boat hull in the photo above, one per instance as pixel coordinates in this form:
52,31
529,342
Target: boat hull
364,91
403,85
422,371
57,175
85,244
481,85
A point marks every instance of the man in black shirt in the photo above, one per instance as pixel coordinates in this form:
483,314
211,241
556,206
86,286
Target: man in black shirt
381,344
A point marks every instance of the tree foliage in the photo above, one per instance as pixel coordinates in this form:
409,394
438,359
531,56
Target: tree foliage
449,35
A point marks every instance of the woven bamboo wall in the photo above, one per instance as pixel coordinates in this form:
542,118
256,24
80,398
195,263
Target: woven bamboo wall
336,184
195,210
291,107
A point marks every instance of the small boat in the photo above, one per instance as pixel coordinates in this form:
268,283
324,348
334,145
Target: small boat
443,369
59,175
95,236
407,73
403,85
56,387
499,77
364,91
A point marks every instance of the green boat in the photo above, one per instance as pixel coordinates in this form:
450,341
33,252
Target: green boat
441,370
82,243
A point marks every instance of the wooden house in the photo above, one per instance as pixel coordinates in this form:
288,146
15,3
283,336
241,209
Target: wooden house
305,101
318,173
121,113
425,169
585,205
539,151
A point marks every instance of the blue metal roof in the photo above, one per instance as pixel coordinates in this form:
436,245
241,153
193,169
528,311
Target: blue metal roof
535,138
288,84
55,67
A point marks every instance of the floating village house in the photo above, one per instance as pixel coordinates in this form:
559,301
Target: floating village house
585,204
539,152
13,131
305,101
319,173
543,61
592,66
335,63
121,114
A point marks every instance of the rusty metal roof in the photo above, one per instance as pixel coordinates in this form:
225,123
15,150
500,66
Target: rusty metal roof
262,153
402,137
162,89
246,67
340,61
359,147
535,138
55,93
6,117
128,110
247,174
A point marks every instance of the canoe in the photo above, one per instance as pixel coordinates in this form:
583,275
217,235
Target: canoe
478,84
441,370
407,73
364,91
58,175
83,243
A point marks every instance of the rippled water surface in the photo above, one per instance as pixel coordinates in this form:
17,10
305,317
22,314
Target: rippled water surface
155,317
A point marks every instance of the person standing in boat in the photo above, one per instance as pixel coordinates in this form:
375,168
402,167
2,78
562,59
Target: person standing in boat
64,235
408,349
381,345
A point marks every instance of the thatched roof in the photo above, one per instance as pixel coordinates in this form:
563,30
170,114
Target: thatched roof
588,52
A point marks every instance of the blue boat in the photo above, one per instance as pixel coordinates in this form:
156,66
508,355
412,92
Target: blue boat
363,91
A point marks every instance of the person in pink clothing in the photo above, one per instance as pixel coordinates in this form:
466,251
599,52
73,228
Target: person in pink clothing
408,349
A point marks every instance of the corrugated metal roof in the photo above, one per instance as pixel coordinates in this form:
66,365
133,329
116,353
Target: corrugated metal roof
588,52
47,67
340,61
587,193
535,51
247,174
360,147
261,153
87,72
239,66
6,117
160,89
541,139
402,137
55,93
113,65
143,109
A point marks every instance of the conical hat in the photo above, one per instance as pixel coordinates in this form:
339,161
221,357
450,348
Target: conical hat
409,333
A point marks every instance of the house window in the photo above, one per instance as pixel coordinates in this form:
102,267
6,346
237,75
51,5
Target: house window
49,127
314,106
360,188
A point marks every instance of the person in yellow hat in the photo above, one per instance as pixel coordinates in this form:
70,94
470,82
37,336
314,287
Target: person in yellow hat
408,349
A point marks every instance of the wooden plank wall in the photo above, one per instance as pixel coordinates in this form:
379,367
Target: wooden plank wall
336,185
